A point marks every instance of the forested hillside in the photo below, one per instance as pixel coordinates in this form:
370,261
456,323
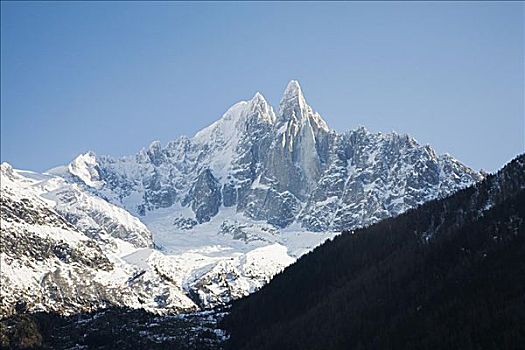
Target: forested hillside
447,275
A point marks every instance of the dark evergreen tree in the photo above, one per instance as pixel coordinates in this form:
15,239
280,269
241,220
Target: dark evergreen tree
447,275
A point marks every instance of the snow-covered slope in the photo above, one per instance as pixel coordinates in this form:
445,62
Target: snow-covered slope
63,249
208,218
66,259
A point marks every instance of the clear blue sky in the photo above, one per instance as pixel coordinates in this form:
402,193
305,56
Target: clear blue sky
112,77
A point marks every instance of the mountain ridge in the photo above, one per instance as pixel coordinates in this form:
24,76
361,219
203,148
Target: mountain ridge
447,274
204,220
259,160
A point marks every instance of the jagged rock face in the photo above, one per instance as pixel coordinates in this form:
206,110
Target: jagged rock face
299,149
373,176
205,196
281,168
466,249
65,250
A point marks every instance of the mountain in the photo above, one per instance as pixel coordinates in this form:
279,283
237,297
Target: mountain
282,168
448,274
66,251
204,220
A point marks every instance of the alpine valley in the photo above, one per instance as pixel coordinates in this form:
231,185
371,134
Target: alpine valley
201,221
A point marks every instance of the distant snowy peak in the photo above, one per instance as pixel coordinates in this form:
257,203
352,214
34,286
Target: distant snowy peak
279,168
251,179
293,111
262,109
85,167
293,104
233,123
293,107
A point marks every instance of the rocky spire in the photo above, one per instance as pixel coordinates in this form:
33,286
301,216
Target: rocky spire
259,104
293,107
293,104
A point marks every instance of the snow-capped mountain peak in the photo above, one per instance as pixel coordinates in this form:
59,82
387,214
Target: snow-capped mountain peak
293,107
233,122
246,182
293,104
222,128
262,108
86,168
293,94
284,170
